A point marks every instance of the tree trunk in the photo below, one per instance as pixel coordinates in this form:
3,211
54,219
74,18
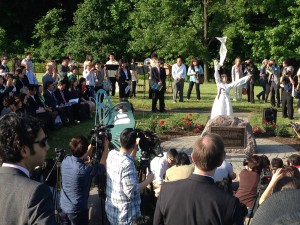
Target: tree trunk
205,4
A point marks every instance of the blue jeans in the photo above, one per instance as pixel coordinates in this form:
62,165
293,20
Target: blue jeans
74,218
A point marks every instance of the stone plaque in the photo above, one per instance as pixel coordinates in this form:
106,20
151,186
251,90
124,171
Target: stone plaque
233,137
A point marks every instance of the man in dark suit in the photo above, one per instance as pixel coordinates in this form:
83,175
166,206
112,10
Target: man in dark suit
158,84
197,200
23,147
52,102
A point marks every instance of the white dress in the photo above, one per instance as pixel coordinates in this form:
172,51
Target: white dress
222,104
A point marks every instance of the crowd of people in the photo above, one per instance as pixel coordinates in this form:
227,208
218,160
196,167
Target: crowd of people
202,192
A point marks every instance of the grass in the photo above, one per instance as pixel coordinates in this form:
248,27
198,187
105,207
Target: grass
143,105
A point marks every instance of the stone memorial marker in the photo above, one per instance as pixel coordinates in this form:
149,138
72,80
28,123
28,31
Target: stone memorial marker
236,133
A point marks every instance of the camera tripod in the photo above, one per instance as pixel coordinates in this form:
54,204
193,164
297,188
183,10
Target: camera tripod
57,186
147,195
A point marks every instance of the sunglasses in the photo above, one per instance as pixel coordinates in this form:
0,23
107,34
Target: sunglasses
42,142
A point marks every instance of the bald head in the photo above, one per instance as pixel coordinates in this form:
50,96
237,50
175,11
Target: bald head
208,152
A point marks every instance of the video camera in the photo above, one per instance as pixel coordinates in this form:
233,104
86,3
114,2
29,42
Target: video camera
149,144
97,136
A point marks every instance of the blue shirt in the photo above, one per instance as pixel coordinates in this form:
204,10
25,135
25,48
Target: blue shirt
193,77
76,183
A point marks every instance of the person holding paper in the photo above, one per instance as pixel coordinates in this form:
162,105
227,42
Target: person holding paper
222,104
124,81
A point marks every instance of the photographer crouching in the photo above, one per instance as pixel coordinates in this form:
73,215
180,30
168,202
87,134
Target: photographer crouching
77,171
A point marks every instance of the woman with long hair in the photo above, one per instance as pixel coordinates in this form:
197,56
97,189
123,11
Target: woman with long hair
195,72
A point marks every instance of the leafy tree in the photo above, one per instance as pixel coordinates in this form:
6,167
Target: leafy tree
100,27
50,33
3,42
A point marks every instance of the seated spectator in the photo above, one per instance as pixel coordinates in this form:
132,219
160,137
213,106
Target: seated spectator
182,168
143,220
21,80
224,171
51,101
85,95
294,160
277,176
8,105
224,176
77,172
281,208
74,93
276,163
159,166
63,101
36,108
249,179
30,75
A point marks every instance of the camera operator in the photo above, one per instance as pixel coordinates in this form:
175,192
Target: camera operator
77,171
273,80
250,70
123,190
287,82
249,179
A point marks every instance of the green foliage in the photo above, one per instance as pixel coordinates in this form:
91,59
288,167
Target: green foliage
3,42
282,130
100,27
50,35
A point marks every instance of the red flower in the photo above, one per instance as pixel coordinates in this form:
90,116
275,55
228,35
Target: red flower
188,123
198,125
196,130
182,118
265,121
161,122
273,124
190,114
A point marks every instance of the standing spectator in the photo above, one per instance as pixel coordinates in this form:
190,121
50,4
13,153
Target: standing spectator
88,74
123,190
197,200
77,172
124,81
156,85
250,71
178,74
23,147
287,82
30,75
237,73
71,61
4,62
28,59
195,71
64,69
263,80
134,79
273,80
99,76
112,74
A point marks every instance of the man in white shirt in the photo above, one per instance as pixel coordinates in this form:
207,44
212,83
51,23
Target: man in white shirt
88,74
28,59
159,166
178,74
30,75
112,74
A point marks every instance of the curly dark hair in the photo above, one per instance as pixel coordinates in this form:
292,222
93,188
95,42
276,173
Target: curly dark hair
17,131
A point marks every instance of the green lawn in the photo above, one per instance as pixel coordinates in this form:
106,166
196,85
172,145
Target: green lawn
143,105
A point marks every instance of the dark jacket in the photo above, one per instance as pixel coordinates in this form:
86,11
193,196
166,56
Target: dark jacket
196,201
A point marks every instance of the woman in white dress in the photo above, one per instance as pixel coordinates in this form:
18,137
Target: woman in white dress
222,104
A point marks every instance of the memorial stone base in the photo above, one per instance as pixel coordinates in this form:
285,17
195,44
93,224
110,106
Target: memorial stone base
236,133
